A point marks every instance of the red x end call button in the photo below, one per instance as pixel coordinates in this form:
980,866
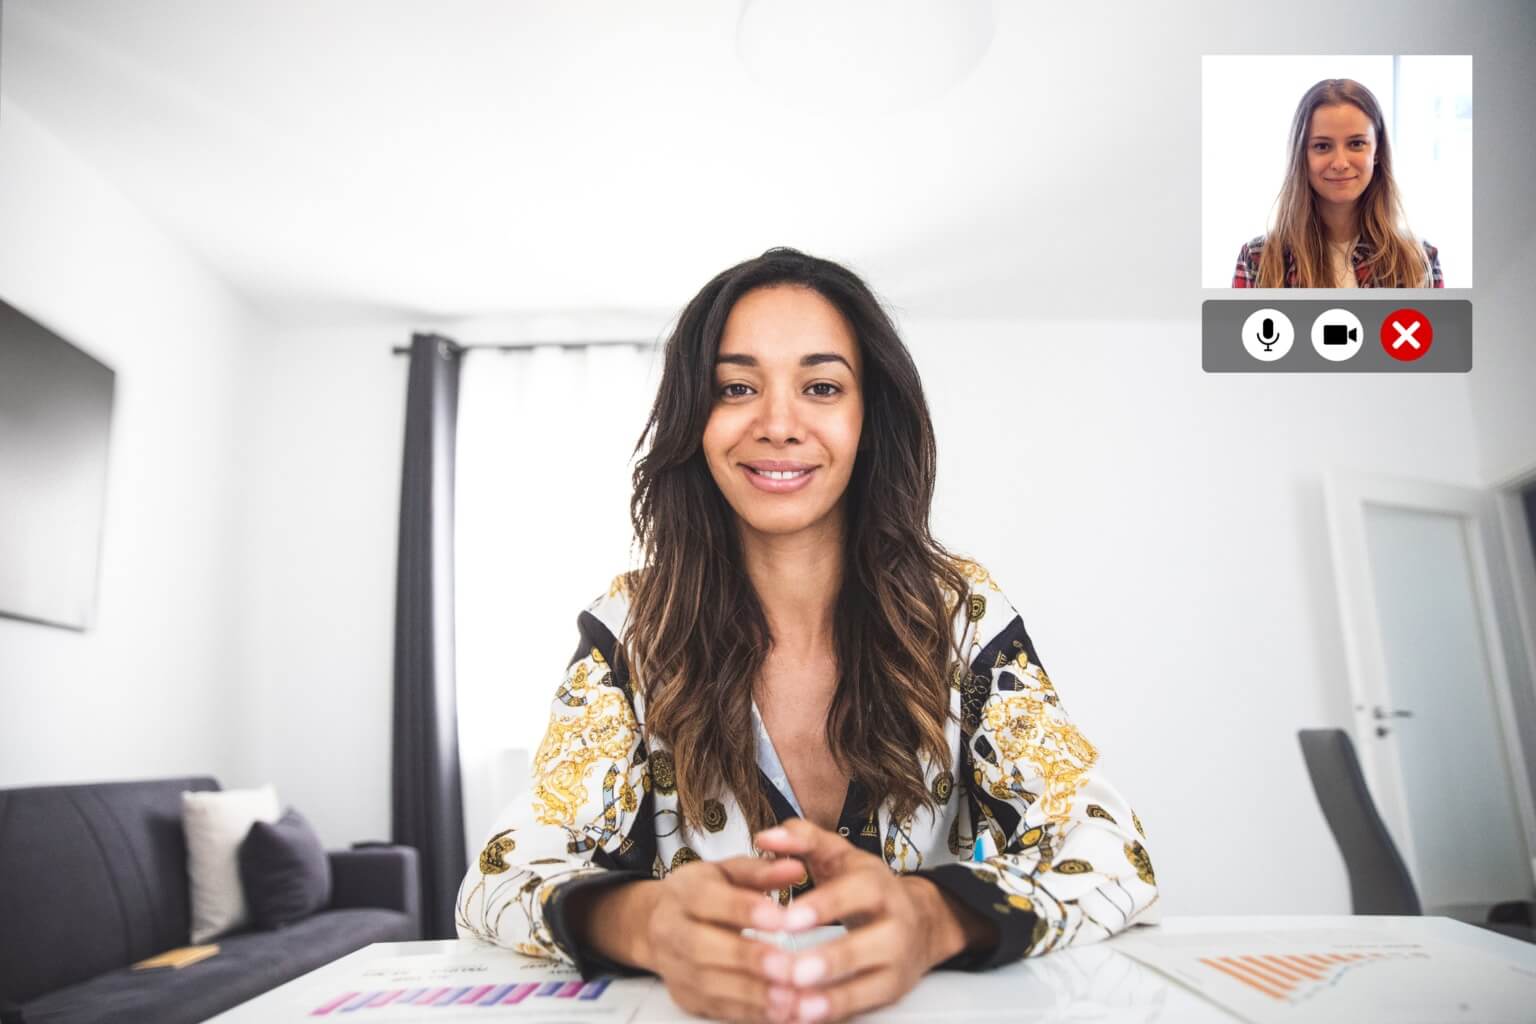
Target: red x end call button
1406,334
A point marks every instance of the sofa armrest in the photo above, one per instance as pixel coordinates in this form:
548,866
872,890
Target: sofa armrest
378,876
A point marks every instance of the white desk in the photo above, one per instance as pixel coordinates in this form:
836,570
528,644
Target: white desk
1090,983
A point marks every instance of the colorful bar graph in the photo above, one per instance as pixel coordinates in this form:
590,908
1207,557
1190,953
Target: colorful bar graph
475,994
505,993
520,993
1289,975
494,996
325,1008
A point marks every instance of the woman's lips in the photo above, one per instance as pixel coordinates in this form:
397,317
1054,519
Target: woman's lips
778,486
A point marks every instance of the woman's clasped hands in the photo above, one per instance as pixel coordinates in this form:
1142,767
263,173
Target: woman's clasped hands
898,928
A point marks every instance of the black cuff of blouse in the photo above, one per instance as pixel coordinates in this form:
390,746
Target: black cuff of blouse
589,963
1015,927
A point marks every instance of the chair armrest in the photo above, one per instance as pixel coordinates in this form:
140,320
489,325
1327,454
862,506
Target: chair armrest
378,876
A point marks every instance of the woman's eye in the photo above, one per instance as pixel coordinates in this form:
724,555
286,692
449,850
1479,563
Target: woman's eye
1319,146
729,391
832,389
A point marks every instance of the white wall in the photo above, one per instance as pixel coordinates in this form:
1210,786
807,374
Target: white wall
147,691
322,498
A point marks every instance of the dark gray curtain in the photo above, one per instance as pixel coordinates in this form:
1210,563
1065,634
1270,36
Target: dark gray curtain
427,806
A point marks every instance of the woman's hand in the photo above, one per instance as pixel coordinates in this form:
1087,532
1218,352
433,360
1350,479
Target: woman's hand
898,926
694,941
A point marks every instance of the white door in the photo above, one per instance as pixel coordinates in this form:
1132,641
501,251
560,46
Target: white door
1433,720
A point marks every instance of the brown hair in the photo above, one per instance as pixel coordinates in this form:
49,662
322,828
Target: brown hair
1396,261
696,636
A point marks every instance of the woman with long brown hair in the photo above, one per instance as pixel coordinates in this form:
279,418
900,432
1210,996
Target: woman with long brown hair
1339,219
801,695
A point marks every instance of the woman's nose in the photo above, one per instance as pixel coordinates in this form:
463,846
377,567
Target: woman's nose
778,422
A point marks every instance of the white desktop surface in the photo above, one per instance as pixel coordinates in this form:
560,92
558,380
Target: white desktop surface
1095,982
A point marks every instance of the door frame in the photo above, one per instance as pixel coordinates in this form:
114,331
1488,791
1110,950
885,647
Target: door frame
1484,528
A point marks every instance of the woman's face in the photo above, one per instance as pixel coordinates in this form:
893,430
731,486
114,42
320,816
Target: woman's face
784,431
1341,152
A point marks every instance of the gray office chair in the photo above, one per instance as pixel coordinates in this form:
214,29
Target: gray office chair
1379,882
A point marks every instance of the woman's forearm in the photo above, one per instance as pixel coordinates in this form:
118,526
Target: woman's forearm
612,921
953,927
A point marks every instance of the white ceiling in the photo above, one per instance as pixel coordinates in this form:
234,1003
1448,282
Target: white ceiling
337,159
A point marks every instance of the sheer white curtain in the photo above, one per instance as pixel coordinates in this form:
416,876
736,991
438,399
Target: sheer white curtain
545,437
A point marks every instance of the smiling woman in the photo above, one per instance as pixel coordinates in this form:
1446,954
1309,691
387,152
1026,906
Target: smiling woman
802,695
1339,221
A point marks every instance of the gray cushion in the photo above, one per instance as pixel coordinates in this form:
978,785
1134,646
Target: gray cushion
284,871
248,964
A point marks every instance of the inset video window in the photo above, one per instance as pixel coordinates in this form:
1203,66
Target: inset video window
1336,171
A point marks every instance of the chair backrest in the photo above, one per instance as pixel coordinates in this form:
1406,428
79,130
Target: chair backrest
1379,882
92,878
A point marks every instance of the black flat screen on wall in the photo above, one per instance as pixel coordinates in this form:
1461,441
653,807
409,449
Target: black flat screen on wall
55,417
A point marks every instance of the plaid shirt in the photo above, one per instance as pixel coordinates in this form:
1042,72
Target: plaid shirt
1247,273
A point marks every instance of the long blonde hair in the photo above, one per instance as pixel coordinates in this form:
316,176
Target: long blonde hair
1396,260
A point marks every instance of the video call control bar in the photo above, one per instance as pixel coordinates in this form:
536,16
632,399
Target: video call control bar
1336,335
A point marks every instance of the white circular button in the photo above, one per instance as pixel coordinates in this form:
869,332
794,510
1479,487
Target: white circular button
1268,334
1337,335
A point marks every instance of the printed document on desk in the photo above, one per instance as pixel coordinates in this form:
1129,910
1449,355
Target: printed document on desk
1349,975
483,984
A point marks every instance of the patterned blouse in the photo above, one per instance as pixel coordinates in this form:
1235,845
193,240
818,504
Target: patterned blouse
1246,274
1026,832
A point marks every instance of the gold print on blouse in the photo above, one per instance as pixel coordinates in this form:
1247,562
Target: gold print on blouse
975,573
684,855
1072,866
1027,731
1095,811
943,785
572,692
714,815
1137,822
492,858
1137,855
976,607
663,774
601,731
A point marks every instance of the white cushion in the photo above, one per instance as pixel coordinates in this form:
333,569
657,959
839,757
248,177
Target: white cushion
216,824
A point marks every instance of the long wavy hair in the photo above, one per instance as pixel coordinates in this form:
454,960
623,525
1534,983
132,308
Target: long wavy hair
696,637
1396,261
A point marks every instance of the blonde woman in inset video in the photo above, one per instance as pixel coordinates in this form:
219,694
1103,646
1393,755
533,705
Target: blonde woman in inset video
1339,221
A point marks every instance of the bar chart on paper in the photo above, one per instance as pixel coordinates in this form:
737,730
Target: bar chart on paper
1341,975
543,997
482,984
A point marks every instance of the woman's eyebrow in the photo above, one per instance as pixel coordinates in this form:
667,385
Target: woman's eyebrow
1329,138
814,359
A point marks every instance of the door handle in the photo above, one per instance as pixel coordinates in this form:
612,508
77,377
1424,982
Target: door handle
1380,713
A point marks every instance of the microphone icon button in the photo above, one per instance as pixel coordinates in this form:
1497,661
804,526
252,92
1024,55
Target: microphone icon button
1267,335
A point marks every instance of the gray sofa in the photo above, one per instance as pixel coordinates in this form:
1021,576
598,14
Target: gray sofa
94,878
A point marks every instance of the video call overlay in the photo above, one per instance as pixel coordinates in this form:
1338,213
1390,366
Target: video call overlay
1339,335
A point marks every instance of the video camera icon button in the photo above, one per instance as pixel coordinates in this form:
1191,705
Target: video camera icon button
1268,335
1337,335
1406,334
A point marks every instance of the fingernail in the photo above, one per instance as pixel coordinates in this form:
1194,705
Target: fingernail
781,998
796,918
813,1008
808,971
773,835
776,966
768,917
